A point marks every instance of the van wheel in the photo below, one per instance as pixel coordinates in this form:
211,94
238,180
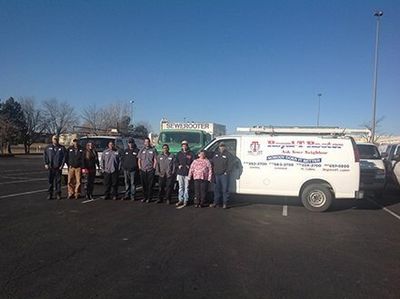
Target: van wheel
317,197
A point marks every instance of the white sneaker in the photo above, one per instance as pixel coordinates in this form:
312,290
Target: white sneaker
182,206
179,203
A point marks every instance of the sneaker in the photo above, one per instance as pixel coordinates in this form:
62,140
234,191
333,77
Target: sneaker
77,197
159,201
179,203
70,196
168,202
147,200
224,206
213,205
50,197
182,206
114,198
59,196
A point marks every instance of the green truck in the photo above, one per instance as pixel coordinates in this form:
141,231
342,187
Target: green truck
196,134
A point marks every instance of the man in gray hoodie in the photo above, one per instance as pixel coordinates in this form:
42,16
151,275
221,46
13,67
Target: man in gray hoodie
165,169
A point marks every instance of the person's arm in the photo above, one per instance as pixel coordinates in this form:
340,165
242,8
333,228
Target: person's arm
173,165
209,170
139,160
157,166
103,158
64,154
97,159
191,170
155,159
46,158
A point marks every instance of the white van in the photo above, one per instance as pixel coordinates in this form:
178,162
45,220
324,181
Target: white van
315,168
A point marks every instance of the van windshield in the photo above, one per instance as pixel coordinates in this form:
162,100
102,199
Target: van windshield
178,137
368,151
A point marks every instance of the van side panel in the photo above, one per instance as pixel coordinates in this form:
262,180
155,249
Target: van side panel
280,165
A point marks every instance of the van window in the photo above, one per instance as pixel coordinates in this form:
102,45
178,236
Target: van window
229,143
100,144
368,151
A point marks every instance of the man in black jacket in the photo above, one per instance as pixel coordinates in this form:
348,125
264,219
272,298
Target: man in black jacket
75,163
130,167
54,159
183,160
223,162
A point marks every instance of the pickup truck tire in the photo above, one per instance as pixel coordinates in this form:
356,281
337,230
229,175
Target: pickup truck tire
317,197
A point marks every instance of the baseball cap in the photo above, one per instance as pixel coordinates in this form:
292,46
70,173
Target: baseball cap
184,142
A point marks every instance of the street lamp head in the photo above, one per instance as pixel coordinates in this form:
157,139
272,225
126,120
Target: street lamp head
131,101
319,94
378,13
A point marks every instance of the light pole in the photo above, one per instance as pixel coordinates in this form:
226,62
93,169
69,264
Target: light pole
132,102
378,15
319,107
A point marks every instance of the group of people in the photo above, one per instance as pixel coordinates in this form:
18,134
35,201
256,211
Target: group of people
183,167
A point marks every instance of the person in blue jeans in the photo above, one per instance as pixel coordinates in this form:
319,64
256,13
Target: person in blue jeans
130,167
183,159
222,162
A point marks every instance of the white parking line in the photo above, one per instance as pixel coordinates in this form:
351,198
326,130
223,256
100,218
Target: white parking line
23,193
385,209
90,200
22,181
284,211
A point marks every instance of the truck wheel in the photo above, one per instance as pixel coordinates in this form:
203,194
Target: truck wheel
317,197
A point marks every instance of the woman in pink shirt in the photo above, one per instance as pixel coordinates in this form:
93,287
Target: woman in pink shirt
201,171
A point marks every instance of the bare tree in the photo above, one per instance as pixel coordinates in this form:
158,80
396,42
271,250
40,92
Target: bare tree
378,135
112,116
91,117
35,123
60,116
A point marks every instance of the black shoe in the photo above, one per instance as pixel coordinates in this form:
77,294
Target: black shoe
114,198
58,196
225,206
50,197
168,202
106,197
147,200
143,200
159,201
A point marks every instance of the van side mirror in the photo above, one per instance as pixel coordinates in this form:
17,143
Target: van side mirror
384,155
396,158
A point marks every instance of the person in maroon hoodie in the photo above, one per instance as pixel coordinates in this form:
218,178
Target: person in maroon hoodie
201,172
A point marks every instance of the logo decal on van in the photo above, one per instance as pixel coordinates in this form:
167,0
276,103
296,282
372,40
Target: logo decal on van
255,149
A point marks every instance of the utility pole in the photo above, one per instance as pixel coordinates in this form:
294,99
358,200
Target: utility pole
319,107
378,15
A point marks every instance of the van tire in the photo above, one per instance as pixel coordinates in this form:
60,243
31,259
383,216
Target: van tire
317,197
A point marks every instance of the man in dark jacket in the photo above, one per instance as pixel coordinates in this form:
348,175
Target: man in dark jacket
147,166
184,159
165,170
130,167
223,162
74,162
110,165
54,159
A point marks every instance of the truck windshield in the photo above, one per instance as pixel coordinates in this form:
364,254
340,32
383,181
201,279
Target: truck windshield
368,151
178,137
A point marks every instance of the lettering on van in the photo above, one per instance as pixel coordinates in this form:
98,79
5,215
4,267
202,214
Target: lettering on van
311,144
295,159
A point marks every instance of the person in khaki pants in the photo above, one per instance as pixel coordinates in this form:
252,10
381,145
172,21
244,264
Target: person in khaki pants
75,163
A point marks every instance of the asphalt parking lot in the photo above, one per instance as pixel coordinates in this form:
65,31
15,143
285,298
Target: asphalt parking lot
259,248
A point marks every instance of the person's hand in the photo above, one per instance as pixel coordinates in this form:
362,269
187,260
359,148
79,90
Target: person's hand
46,166
187,167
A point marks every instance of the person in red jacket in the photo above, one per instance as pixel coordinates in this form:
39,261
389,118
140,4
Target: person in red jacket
201,171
